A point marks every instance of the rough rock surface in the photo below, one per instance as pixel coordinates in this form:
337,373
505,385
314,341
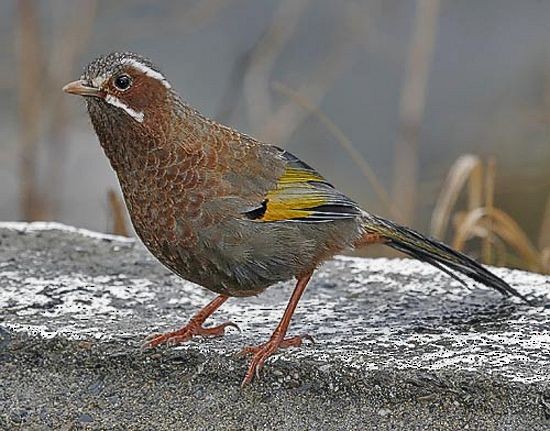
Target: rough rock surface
398,345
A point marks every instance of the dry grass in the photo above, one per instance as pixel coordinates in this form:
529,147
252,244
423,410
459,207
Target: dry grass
503,240
466,171
485,222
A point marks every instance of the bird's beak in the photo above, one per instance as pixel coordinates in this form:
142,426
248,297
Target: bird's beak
80,88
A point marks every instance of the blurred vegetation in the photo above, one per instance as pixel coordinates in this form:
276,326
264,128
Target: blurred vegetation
501,239
482,207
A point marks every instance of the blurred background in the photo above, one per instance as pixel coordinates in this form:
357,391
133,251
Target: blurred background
435,113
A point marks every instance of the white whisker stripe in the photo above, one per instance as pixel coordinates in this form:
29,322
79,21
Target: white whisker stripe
147,71
138,116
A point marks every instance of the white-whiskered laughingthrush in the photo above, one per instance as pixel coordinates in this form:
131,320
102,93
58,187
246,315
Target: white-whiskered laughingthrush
225,211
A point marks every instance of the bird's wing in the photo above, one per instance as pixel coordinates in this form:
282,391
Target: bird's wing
302,194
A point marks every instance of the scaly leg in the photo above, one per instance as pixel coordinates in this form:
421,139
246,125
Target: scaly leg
277,340
194,327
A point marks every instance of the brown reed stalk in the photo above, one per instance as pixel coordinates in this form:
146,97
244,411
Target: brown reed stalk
486,244
70,39
117,214
412,106
29,100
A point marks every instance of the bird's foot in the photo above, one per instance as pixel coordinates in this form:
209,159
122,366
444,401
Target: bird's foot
263,351
186,333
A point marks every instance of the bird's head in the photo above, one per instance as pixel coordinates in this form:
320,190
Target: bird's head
123,88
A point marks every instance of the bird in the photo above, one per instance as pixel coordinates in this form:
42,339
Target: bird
226,211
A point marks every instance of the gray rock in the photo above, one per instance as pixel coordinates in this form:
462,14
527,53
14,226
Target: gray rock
398,345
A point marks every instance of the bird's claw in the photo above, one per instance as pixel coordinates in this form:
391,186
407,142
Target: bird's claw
264,351
186,333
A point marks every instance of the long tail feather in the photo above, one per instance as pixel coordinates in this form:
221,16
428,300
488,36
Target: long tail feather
436,253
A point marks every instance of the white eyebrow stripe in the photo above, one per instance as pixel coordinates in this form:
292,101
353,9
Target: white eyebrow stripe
147,70
138,116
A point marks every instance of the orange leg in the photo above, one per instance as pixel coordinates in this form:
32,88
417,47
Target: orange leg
277,340
194,327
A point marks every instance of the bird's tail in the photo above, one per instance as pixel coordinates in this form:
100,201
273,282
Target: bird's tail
435,253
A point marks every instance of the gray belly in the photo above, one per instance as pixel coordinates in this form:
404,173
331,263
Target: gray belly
242,258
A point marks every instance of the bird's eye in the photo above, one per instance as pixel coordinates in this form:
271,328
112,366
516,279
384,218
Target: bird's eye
123,82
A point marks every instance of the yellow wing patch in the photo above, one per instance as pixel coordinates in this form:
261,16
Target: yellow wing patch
297,176
301,194
294,196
